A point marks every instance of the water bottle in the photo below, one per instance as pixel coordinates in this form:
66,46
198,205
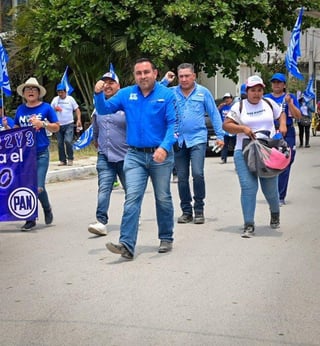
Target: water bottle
216,149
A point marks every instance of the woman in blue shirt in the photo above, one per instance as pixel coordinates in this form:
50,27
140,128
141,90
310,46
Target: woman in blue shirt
291,108
41,116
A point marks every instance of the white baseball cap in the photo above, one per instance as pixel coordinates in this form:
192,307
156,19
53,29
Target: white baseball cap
253,81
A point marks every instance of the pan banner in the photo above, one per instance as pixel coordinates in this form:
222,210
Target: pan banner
18,175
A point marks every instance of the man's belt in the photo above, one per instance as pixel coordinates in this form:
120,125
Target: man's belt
148,150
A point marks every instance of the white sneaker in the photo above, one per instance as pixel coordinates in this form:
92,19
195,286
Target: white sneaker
98,228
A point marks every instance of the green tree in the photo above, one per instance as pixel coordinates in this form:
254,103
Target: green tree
87,35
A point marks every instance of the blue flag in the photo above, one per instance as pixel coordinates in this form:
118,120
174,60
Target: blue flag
85,139
4,77
111,69
309,93
66,83
293,52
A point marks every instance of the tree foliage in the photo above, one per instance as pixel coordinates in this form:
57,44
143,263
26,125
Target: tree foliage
87,35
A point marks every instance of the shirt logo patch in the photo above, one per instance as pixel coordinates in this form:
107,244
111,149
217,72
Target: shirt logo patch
133,96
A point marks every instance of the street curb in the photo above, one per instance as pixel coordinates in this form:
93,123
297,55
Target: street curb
70,174
81,168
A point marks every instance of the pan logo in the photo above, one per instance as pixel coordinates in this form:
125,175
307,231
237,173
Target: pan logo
22,203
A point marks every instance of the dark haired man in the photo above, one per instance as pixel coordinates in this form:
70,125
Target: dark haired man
194,101
150,115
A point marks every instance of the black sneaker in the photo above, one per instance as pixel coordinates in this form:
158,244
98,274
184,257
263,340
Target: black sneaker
185,218
120,249
48,216
275,220
248,231
165,246
28,226
198,218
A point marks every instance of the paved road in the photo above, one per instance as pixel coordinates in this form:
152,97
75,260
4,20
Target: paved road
60,286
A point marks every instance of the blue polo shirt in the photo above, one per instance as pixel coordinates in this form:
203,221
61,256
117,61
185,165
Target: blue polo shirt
150,119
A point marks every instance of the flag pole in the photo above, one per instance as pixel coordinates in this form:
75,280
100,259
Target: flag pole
2,102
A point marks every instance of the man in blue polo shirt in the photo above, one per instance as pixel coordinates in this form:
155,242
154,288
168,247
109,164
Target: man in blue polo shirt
150,115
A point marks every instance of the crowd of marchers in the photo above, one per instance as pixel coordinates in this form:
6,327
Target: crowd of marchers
149,130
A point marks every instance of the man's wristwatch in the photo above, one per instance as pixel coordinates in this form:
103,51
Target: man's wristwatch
45,124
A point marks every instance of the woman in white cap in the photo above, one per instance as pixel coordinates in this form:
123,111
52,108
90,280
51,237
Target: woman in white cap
245,119
41,116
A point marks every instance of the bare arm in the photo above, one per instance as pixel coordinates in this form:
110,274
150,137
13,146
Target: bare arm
296,113
78,114
282,123
231,126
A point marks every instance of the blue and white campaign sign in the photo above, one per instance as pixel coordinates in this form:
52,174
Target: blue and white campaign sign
18,175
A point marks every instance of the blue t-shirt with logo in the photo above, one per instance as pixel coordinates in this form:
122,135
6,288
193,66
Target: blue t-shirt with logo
42,112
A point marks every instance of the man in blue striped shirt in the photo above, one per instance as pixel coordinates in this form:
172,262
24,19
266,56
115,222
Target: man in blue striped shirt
151,116
109,136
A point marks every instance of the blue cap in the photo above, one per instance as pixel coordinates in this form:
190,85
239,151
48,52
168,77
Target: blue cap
243,90
61,87
280,77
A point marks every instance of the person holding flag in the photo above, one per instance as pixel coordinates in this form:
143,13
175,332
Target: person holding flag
288,101
290,106
65,107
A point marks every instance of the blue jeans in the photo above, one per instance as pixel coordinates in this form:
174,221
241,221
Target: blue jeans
229,141
65,145
284,176
42,169
182,159
107,173
249,189
138,167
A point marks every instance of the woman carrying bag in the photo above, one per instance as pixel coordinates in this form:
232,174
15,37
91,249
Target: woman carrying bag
251,121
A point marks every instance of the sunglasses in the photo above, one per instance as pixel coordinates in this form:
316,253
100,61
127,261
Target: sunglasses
31,89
